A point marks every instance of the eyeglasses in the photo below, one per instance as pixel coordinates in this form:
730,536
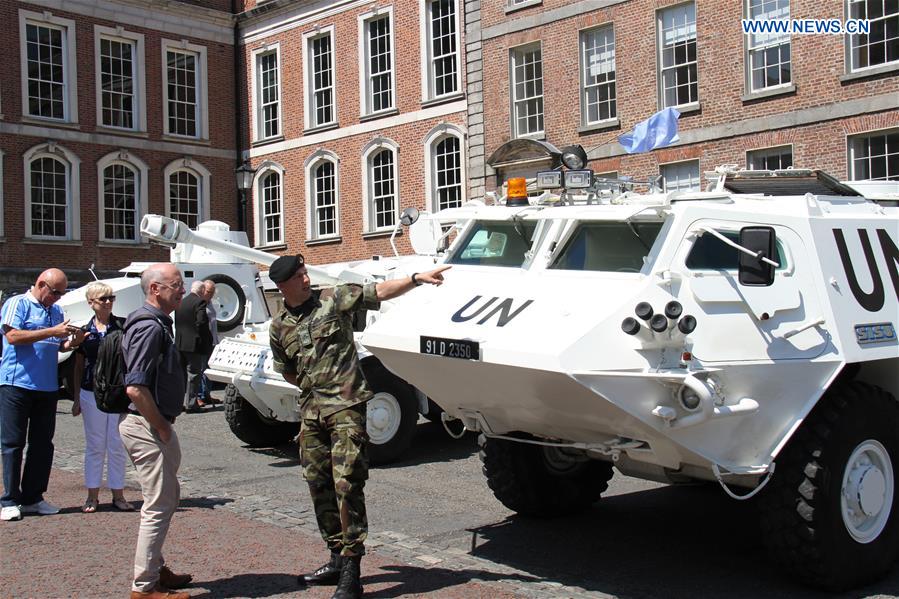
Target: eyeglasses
172,286
54,292
105,299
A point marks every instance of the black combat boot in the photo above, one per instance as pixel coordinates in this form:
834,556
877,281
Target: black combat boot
326,574
349,587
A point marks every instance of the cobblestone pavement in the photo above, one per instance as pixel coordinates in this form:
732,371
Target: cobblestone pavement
436,530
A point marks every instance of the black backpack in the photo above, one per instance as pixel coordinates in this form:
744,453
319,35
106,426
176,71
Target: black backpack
109,370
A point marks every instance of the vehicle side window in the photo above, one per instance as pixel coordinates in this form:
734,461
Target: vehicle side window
710,253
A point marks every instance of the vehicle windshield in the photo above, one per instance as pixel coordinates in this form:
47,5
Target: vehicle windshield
608,246
495,243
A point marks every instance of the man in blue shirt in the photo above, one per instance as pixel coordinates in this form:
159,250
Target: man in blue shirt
34,331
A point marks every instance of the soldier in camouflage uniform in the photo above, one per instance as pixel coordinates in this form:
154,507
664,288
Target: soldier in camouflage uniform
313,348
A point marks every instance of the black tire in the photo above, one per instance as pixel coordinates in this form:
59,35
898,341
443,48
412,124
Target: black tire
802,512
389,438
249,426
229,288
524,478
434,411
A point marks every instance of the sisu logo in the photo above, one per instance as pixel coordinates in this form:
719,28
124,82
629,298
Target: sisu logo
503,309
871,301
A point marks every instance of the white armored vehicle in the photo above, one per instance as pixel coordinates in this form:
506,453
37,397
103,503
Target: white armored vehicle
260,406
745,335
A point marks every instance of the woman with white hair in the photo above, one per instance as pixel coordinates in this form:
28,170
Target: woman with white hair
101,430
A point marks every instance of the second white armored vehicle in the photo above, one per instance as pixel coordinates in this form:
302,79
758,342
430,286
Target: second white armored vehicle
745,335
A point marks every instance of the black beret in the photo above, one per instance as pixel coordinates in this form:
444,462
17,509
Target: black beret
284,267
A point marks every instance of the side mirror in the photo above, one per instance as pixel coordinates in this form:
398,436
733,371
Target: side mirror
762,242
409,216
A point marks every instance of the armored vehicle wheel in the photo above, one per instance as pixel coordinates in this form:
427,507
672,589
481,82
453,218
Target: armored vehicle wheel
230,302
541,481
830,514
392,414
251,427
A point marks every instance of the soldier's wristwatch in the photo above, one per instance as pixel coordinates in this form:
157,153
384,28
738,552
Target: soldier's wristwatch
415,280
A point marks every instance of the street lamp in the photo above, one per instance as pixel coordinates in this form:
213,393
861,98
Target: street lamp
244,174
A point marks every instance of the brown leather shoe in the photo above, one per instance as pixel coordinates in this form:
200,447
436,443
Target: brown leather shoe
159,593
170,580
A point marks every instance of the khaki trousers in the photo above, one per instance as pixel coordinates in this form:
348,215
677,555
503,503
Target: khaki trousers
157,471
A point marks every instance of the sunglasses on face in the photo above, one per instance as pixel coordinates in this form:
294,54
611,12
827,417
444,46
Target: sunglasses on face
54,292
105,299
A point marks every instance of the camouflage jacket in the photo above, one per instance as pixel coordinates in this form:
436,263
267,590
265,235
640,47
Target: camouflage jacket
315,342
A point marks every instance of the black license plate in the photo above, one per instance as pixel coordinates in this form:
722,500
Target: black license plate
464,349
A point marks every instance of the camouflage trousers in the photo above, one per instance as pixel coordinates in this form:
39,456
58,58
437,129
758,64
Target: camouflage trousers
334,453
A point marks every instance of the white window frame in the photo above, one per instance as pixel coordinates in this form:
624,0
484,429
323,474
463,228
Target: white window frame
202,82
428,73
365,105
256,76
312,162
142,207
660,43
765,42
613,112
850,45
73,189
368,153
203,176
681,164
118,34
309,77
435,136
263,171
70,68
767,152
2,205
515,54
850,151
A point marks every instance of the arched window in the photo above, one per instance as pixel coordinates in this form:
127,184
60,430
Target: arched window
187,192
445,173
383,189
272,217
323,196
51,193
123,196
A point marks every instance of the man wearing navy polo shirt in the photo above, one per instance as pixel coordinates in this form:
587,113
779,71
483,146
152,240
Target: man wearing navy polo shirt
34,331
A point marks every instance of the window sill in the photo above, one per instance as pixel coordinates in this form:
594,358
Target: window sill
321,128
123,245
377,115
268,140
869,72
117,131
183,139
63,242
769,93
271,247
442,100
31,120
600,126
535,136
510,8
688,108
324,241
378,234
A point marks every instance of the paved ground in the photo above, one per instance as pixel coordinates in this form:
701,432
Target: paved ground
246,528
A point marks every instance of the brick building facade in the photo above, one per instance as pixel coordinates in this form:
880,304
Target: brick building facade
111,109
355,111
586,71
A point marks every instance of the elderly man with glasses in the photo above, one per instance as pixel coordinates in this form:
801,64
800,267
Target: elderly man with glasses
34,331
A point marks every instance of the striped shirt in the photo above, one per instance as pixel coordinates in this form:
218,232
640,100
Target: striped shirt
31,365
